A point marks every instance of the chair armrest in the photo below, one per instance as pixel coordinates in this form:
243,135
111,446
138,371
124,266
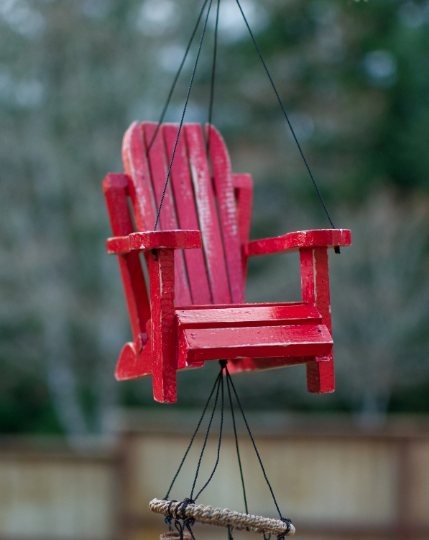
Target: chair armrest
297,240
142,241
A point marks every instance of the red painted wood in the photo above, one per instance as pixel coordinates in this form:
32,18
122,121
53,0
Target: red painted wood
307,276
135,361
115,190
207,326
294,340
207,215
140,186
243,186
296,240
315,289
163,327
140,241
167,219
226,306
227,209
248,316
177,239
181,182
262,364
118,245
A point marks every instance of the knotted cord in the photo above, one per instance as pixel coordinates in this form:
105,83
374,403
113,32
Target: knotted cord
183,114
284,112
337,249
176,77
187,511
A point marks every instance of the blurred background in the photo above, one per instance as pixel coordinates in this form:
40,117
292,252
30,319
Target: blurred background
78,450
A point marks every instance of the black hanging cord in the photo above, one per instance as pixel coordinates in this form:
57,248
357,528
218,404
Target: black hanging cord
228,377
219,384
181,522
285,114
212,84
236,441
220,433
183,114
176,78
193,437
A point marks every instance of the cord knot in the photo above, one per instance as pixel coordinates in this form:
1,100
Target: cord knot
288,523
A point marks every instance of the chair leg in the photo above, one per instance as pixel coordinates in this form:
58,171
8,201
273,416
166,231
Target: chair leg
315,290
320,375
163,327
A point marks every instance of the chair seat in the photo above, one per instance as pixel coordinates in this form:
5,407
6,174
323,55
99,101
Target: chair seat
252,330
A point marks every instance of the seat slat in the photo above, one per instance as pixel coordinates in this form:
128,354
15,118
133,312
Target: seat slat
279,315
227,208
261,304
265,341
168,221
207,214
186,213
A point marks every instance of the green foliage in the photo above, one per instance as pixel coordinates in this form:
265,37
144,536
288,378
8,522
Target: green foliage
354,77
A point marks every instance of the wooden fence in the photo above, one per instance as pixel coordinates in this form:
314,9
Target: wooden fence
332,480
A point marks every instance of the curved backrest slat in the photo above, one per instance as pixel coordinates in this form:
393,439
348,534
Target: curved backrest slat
181,182
140,187
193,200
158,166
207,215
227,208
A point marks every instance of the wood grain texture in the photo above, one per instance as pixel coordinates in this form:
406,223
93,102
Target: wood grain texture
158,166
181,182
140,185
315,289
197,310
163,327
135,361
297,240
243,187
263,364
265,341
226,306
141,241
115,188
207,215
227,209
278,315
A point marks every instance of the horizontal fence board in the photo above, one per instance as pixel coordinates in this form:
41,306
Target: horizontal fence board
338,480
330,479
56,499
420,482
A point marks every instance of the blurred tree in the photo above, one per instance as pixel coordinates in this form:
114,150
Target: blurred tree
353,76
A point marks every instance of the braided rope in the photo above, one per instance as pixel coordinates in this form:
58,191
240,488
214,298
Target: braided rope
223,518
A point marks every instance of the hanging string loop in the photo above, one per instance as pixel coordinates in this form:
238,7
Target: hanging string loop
186,512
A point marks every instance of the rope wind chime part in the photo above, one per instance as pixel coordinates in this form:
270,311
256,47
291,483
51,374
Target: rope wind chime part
211,101
185,513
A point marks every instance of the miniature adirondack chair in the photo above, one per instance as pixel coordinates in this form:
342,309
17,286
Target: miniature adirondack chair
196,265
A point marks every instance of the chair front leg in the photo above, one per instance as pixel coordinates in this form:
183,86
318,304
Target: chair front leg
315,290
163,326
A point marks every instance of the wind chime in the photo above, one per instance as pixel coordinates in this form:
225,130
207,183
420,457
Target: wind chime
196,253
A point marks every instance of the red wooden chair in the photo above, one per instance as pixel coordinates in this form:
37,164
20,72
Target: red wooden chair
197,265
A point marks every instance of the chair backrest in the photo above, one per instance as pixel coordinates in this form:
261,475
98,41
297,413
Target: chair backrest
219,205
